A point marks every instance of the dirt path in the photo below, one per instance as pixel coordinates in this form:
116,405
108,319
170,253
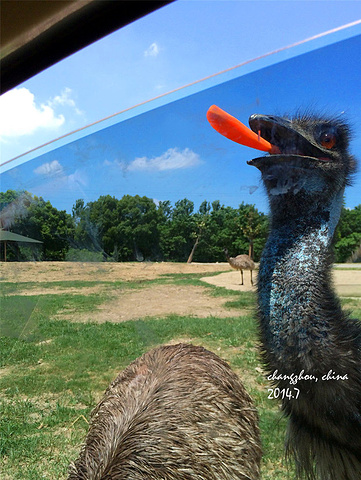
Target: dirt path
124,303
102,272
155,300
347,282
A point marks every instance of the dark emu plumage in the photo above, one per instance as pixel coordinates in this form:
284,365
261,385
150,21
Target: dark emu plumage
176,413
304,332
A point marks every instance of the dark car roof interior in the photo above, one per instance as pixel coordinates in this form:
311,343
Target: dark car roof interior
37,34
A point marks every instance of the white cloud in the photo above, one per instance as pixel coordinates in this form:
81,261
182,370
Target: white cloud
56,179
51,169
20,115
64,100
78,179
172,159
152,50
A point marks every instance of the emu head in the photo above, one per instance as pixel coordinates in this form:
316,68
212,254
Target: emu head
309,161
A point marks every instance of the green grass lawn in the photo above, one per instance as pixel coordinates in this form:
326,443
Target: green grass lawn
53,372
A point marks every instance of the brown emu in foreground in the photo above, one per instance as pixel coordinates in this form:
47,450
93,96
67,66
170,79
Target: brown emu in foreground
176,413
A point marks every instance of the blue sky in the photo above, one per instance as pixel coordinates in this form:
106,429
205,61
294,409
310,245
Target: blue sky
165,149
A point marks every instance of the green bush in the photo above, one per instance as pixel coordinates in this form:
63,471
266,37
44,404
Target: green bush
83,255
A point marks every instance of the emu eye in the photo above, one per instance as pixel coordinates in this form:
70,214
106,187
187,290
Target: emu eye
328,140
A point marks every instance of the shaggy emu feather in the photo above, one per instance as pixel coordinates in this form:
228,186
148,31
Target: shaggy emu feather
303,329
176,413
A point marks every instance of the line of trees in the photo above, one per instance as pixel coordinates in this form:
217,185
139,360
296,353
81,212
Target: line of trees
135,228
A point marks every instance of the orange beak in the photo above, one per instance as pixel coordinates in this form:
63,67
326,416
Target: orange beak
236,131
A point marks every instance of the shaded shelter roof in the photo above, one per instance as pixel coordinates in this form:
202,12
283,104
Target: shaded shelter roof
6,236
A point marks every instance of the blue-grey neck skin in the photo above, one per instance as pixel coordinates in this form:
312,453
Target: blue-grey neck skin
304,332
296,301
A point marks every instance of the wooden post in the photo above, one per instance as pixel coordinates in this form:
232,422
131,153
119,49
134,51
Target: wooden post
190,258
250,249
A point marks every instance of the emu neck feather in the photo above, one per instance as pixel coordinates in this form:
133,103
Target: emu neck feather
294,283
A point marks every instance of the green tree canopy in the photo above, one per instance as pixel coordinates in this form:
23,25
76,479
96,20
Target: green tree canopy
136,228
227,227
36,218
176,233
125,229
348,235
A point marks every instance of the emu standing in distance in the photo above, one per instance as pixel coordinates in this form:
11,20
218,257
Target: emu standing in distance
304,332
241,262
